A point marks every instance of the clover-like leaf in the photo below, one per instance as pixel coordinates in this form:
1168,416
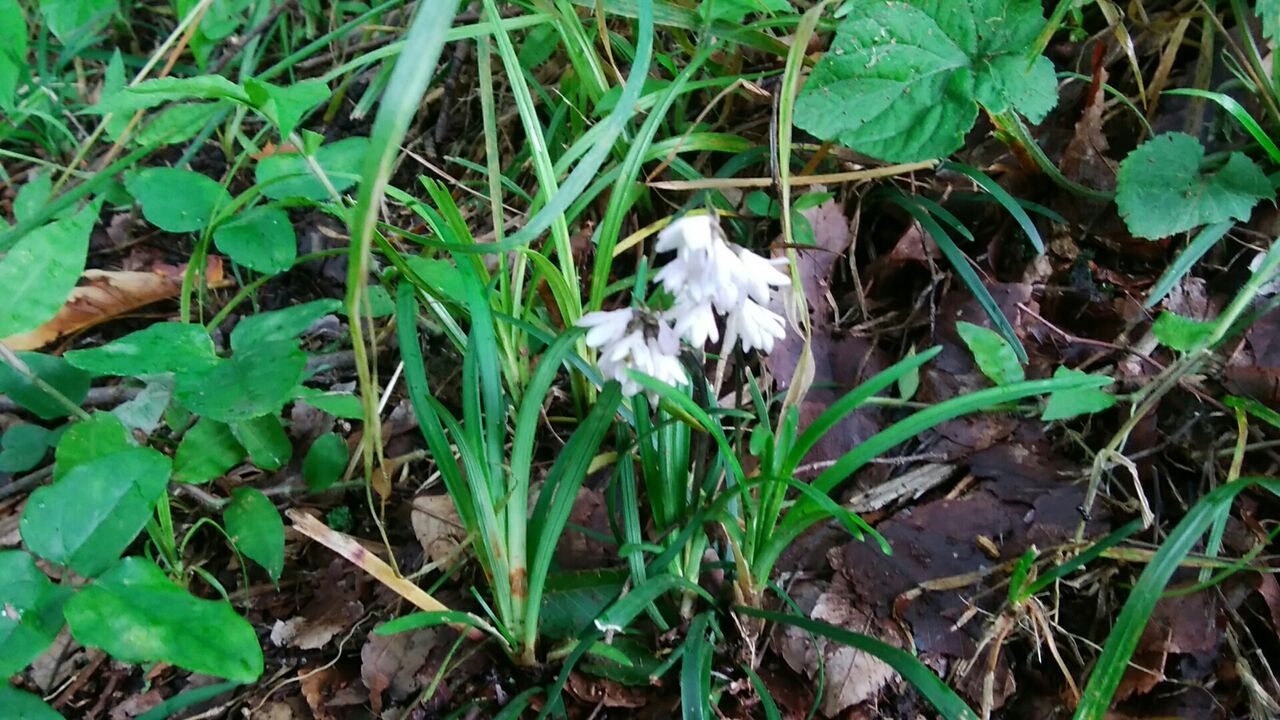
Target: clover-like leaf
903,79
1162,190
176,200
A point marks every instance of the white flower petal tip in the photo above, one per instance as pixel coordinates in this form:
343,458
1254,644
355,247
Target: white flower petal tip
757,327
691,232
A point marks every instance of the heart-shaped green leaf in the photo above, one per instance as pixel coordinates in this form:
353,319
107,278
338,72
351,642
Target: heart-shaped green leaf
22,447
256,529
261,239
159,348
86,519
903,79
137,615
325,461
287,175
176,200
1161,189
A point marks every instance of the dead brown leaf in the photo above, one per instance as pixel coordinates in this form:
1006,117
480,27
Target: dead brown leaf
606,692
390,663
438,527
107,294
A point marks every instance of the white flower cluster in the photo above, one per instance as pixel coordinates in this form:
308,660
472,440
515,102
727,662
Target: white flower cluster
708,277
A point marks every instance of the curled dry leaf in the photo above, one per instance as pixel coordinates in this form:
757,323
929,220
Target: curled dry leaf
106,294
438,527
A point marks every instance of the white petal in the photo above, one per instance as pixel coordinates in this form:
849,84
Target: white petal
688,232
606,327
696,322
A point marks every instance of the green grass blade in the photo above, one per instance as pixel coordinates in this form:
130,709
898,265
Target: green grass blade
1003,197
943,698
686,405
1204,241
767,703
1129,625
1242,116
620,614
850,402
695,671
960,262
419,620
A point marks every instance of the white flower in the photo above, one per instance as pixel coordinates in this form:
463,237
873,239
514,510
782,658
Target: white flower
631,340
691,232
759,274
756,326
695,322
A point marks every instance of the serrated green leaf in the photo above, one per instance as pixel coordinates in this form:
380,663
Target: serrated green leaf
1068,404
207,451
159,348
137,615
22,447
13,51
285,106
1162,190
995,357
902,80
256,529
287,175
325,461
86,519
252,382
265,440
1179,333
41,270
33,611
56,372
261,239
21,705
176,200
101,435
68,18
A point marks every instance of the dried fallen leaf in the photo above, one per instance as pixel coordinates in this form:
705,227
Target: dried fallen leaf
438,527
107,294
390,663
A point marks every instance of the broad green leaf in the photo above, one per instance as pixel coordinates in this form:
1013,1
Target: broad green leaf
56,372
86,519
325,461
33,611
285,106
337,404
175,124
265,440
101,435
19,705
735,11
22,447
261,239
176,200
207,451
137,615
159,348
68,18
440,275
256,529
287,175
995,357
1179,333
13,51
279,326
41,270
252,382
1065,404
1162,189
903,80
1269,11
